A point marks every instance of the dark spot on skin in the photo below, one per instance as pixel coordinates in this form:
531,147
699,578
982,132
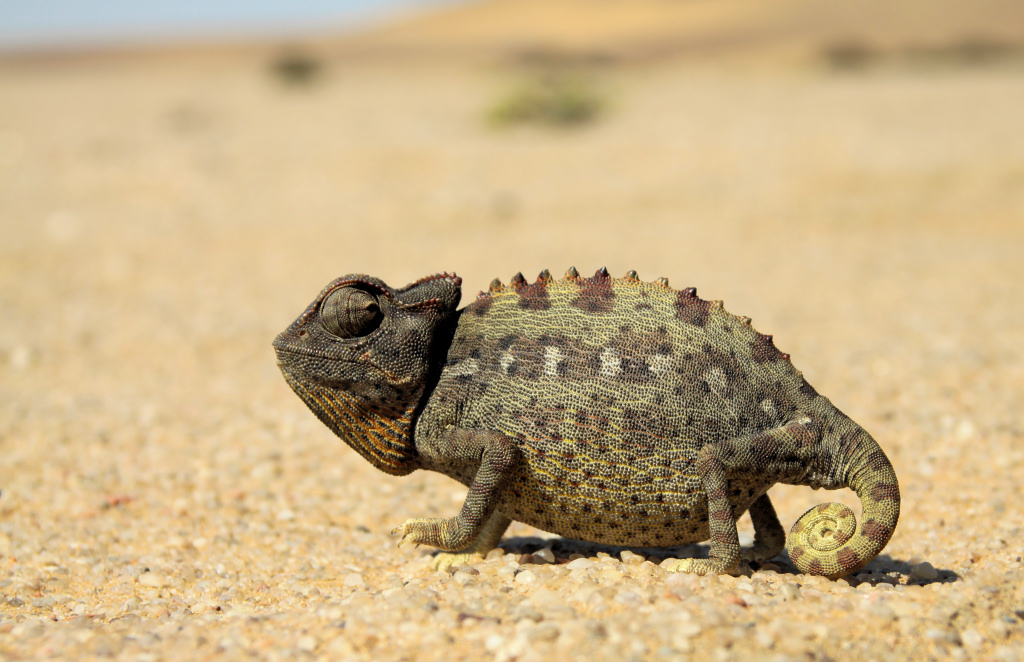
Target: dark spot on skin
533,296
875,532
595,294
763,350
481,306
815,568
643,306
848,559
885,492
807,390
796,553
692,310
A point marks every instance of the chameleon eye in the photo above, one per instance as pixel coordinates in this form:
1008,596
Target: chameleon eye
349,312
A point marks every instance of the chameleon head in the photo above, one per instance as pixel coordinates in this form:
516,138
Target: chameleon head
359,357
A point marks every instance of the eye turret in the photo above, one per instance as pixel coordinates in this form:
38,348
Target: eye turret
350,312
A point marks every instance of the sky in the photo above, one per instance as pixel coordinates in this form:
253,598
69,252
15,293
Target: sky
33,24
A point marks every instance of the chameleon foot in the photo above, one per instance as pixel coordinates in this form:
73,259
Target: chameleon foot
699,567
420,531
759,554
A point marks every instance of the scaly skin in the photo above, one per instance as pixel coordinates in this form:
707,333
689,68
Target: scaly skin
608,410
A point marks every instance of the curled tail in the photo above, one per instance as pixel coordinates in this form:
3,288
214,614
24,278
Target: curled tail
826,539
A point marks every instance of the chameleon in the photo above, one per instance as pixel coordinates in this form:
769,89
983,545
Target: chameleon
601,409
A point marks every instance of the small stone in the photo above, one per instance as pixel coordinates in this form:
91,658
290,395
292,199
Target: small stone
580,563
790,592
307,644
493,642
354,580
463,578
542,632
152,580
733,599
813,594
526,578
924,571
527,612
542,556
972,638
630,558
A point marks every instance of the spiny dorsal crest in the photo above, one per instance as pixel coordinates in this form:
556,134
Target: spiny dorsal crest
596,294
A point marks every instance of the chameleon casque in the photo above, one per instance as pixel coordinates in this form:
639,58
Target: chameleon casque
607,410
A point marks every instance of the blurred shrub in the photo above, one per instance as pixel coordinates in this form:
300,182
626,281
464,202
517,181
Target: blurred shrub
849,55
556,99
296,68
969,51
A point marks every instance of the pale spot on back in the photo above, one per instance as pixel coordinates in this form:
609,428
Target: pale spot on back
659,363
552,357
715,377
467,367
506,360
610,362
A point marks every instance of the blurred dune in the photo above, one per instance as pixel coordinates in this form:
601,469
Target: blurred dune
780,30
643,29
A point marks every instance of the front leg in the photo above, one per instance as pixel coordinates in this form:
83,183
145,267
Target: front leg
497,456
773,454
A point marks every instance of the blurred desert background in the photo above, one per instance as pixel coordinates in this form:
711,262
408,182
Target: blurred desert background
848,174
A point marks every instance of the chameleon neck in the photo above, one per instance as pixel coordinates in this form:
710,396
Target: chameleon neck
383,439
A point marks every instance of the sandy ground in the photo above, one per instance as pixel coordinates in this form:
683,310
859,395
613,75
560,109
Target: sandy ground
165,496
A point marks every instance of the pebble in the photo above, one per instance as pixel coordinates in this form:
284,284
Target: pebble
544,556
631,558
541,632
526,578
580,564
153,579
354,580
790,592
924,571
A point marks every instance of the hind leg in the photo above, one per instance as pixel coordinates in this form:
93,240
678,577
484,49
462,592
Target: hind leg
769,536
777,453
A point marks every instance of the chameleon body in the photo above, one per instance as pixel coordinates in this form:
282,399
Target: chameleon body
608,410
